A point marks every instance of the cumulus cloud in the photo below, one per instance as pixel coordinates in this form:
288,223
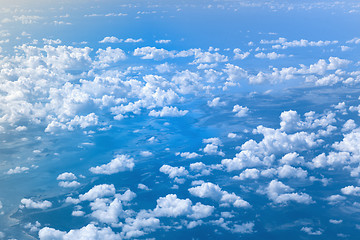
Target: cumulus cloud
351,190
172,206
66,176
168,112
174,171
17,170
28,203
212,146
271,56
120,163
98,191
213,191
90,232
240,111
111,39
282,194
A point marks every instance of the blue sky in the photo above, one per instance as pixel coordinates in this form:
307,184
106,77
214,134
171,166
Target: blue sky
194,120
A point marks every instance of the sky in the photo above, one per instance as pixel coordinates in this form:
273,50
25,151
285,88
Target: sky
179,119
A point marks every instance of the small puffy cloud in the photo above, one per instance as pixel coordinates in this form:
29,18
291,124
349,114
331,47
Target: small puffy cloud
28,203
216,102
351,190
349,142
153,53
213,191
66,176
240,111
17,170
105,211
244,228
120,163
143,187
83,121
250,173
132,40
201,211
292,158
349,125
108,56
69,184
282,194
171,206
168,112
163,41
21,128
78,213
334,221
111,39
174,171
310,231
89,232
98,191
201,168
188,155
334,199
51,41
271,56
212,149
212,146
146,153
232,135
244,159
240,54
287,171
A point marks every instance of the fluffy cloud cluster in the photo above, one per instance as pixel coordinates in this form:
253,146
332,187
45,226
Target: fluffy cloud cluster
120,163
213,191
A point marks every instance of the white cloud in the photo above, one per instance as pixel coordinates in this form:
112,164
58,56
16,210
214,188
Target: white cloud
171,206
89,232
250,173
163,41
240,111
334,199
216,103
334,221
287,171
107,211
143,187
349,142
168,112
240,54
120,163
17,170
351,190
189,155
349,125
98,191
111,39
69,184
310,231
213,191
132,40
28,203
108,56
271,56
174,171
146,153
244,228
66,176
282,194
